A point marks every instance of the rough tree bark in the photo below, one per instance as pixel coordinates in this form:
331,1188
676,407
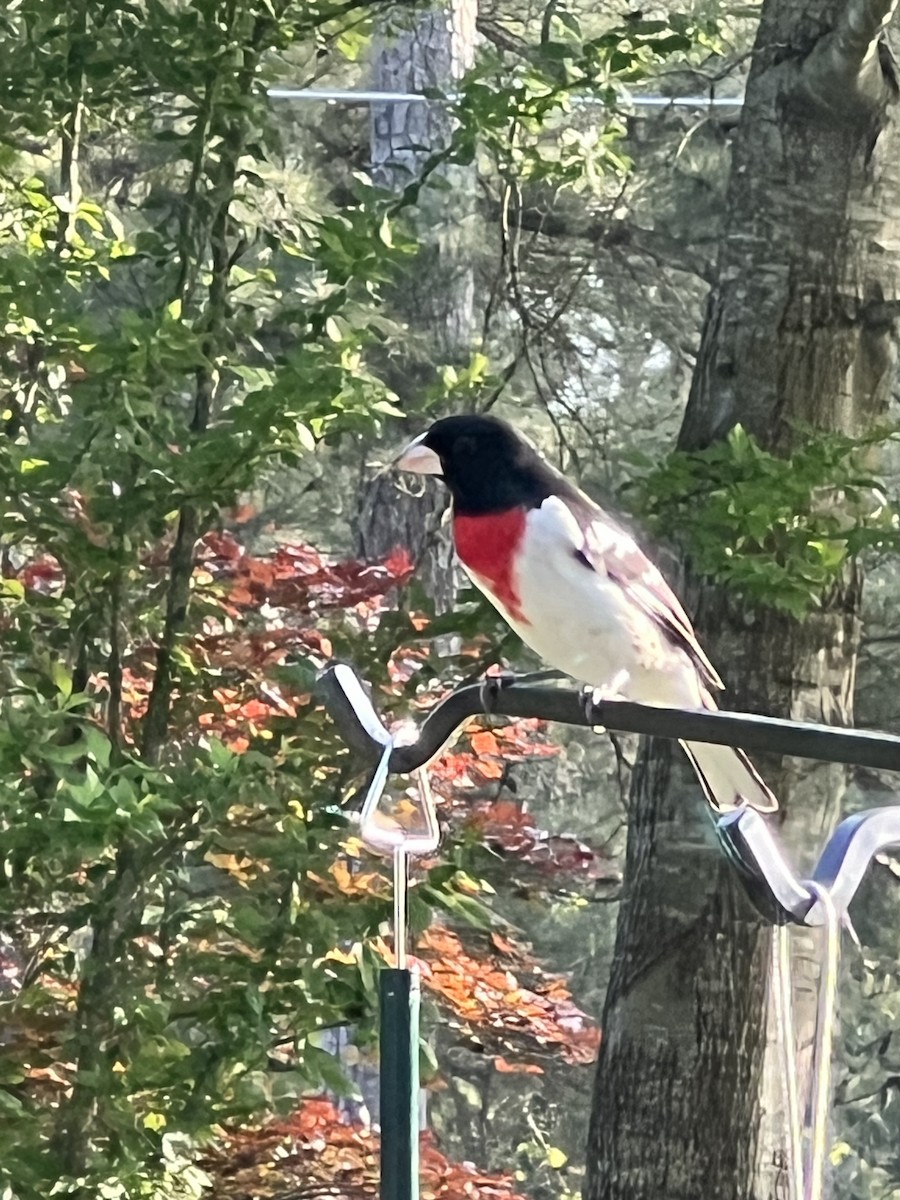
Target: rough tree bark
798,331
436,298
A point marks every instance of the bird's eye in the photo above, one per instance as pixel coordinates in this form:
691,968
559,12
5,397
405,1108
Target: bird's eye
464,445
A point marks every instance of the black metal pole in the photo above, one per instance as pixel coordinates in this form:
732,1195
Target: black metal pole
773,883
399,1048
346,699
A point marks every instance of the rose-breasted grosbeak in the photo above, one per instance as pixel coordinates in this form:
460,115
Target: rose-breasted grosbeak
574,585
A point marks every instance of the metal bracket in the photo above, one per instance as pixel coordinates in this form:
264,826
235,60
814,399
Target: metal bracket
773,884
749,840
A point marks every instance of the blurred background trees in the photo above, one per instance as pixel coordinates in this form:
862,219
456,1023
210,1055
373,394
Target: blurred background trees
221,312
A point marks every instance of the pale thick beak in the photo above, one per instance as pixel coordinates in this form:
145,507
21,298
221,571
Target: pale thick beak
419,459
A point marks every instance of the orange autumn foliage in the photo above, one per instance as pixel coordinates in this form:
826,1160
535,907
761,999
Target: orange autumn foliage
503,998
507,825
261,612
313,1152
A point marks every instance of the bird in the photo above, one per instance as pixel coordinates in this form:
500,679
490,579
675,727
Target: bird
575,586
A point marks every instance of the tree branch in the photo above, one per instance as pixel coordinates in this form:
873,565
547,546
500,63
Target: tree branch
844,75
24,145
664,249
495,33
232,129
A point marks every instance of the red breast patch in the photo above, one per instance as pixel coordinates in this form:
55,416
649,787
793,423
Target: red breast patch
488,545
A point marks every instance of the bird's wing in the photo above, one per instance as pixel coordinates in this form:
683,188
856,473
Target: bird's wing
609,549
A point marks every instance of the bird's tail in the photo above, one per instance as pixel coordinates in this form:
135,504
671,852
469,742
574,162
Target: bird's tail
728,778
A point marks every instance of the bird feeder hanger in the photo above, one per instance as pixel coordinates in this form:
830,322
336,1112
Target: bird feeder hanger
781,895
402,833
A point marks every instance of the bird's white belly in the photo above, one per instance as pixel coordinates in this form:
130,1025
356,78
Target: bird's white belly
582,626
582,622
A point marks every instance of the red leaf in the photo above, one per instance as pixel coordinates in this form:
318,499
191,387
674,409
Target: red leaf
522,1068
485,743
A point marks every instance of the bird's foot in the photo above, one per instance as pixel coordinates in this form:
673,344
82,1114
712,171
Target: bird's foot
492,686
595,696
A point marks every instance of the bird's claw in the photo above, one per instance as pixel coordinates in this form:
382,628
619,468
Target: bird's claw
491,687
588,704
595,696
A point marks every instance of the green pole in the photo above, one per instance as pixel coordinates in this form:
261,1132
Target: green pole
399,996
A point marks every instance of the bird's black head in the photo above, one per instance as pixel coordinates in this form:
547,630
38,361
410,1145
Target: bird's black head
487,465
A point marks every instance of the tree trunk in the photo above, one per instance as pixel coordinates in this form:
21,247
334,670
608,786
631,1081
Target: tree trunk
797,333
436,297
681,1035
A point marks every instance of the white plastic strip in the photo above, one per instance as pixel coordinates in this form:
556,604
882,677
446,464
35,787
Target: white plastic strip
363,708
352,96
807,1176
370,829
823,1048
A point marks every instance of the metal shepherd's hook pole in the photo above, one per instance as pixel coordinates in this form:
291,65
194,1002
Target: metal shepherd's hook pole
398,986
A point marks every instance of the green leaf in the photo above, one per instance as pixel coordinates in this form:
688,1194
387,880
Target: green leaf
62,678
556,1158
98,745
10,1104
32,464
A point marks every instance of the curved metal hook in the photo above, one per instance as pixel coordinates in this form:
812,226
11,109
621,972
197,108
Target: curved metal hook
776,888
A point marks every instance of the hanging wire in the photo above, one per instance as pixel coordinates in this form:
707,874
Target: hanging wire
823,1047
383,837
401,887
807,1176
783,995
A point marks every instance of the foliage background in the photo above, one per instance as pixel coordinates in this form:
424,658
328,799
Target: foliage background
212,335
